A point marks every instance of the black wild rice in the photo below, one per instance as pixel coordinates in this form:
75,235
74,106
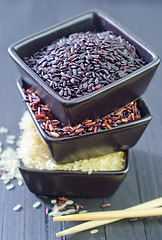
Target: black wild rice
84,62
54,128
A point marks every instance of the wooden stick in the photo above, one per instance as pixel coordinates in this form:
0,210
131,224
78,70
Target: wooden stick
111,215
97,223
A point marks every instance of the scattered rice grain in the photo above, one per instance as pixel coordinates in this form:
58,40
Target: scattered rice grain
10,186
105,205
0,147
57,214
8,164
11,137
83,211
3,130
20,182
63,206
53,201
10,141
36,204
94,231
47,211
54,212
69,202
6,181
66,212
17,207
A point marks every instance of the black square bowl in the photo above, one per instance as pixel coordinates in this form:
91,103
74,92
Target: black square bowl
73,183
102,101
70,149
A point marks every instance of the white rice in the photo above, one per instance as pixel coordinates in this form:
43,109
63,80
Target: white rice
94,231
35,153
17,207
8,164
36,204
3,130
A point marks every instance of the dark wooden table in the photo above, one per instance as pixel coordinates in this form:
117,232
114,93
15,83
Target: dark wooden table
144,181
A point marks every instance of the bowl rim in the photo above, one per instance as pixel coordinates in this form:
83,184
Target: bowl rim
84,98
60,139
66,172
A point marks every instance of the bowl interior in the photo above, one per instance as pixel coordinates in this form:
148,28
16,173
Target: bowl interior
94,21
145,118
79,173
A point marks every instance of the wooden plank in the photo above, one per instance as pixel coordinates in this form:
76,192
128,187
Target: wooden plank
126,196
90,204
144,180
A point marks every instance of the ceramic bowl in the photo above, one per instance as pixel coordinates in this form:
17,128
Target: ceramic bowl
99,102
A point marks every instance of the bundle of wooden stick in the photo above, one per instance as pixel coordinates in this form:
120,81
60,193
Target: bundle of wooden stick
150,208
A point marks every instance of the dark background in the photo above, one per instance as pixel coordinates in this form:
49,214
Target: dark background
20,18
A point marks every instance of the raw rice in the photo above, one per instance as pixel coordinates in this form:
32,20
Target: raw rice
53,201
3,130
94,231
10,139
35,153
10,186
8,164
0,147
20,182
36,204
17,207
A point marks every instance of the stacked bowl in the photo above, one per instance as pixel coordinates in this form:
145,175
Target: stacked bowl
90,72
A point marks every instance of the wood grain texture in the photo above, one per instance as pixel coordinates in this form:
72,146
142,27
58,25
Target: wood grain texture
19,19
